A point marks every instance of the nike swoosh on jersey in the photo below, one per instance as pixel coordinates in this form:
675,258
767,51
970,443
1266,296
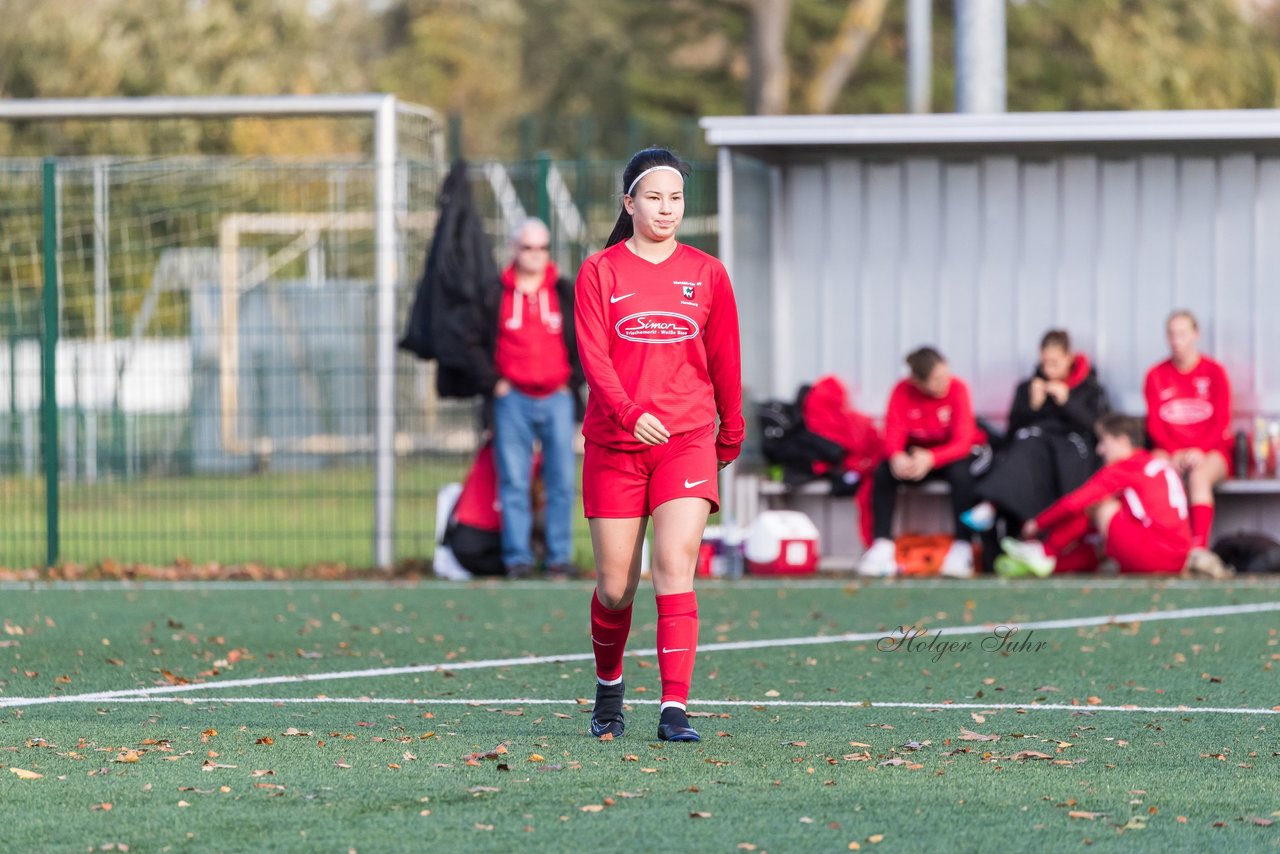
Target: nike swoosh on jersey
621,298
678,649
691,485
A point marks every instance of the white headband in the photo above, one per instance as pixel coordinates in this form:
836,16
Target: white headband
654,169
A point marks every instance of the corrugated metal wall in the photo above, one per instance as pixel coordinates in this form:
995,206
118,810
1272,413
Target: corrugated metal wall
870,257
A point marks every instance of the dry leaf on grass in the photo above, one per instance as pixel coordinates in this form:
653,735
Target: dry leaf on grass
970,735
24,774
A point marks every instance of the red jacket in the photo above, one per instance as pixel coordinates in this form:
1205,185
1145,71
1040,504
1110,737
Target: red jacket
1191,410
828,413
530,351
659,338
944,425
1150,491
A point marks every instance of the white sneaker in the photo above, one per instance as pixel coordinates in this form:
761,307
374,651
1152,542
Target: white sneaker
446,566
959,561
879,561
1030,552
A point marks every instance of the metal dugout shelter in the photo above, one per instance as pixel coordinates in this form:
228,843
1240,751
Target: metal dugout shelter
853,239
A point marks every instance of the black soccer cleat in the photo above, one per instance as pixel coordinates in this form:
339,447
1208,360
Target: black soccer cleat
674,726
606,717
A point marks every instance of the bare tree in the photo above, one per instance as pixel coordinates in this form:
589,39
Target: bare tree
770,80
842,55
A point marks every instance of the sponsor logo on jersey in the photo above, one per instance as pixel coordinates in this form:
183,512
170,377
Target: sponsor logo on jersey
657,327
1185,410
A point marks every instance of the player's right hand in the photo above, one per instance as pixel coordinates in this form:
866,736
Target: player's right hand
650,430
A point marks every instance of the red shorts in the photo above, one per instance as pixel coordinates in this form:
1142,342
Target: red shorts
1139,549
629,484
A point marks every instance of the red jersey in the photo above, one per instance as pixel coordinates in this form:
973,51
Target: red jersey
530,352
1189,410
1149,490
659,338
944,425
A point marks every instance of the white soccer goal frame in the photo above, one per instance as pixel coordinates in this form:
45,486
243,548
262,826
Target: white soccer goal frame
383,110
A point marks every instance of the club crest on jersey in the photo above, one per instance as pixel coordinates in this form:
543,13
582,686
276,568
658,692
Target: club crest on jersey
1202,386
687,290
657,327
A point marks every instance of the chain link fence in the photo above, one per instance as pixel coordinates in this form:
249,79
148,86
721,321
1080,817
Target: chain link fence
203,389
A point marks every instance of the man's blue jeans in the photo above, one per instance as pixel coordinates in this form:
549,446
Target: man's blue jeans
518,420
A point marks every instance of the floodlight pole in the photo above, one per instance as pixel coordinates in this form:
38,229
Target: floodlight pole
980,56
386,275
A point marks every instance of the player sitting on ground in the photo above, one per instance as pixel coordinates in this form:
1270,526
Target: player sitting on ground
1136,504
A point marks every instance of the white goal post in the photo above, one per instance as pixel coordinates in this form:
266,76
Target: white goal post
383,110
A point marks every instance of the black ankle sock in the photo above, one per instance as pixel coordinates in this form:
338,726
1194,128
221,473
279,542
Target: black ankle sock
609,699
674,716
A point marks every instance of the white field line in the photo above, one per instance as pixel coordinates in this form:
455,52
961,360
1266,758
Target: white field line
795,585
513,702
812,640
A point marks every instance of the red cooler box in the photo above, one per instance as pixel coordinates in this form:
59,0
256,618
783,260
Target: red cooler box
781,542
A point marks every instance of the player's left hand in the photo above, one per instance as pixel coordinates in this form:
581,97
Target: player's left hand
720,464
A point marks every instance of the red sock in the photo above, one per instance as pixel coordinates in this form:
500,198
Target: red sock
609,630
1201,524
677,644
1062,537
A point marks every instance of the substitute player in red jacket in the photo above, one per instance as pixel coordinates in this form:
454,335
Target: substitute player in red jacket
1189,419
929,432
658,335
1136,503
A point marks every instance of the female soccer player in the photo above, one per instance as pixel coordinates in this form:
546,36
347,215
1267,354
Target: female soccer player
658,335
1189,419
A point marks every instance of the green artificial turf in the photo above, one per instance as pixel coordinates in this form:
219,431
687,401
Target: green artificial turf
773,776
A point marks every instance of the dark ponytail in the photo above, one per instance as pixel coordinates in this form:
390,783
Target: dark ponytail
644,159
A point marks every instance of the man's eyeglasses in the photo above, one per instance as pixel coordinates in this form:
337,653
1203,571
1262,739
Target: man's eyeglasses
541,247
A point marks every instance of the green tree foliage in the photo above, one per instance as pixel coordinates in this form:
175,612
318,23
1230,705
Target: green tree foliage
600,76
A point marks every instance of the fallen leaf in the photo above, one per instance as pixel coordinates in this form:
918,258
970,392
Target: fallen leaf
699,814
24,774
1084,814
804,819
875,838
267,740
1135,822
1260,821
104,807
295,731
772,693
480,826
183,804
1030,754
970,735
592,808
608,736
263,773
129,756
537,757
895,760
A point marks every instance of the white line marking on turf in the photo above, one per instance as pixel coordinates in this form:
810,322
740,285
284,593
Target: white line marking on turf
792,585
813,640
509,702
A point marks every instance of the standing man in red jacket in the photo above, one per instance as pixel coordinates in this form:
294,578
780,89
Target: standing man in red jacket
1189,420
533,369
929,432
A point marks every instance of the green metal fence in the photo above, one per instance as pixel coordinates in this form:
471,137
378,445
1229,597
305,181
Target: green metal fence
188,362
